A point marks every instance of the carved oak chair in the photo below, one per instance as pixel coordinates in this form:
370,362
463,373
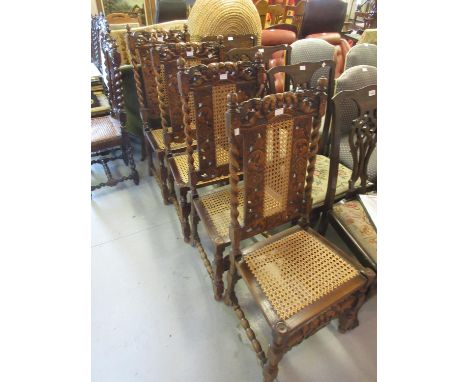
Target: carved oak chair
272,56
362,54
229,42
164,59
108,133
140,44
348,216
299,279
204,90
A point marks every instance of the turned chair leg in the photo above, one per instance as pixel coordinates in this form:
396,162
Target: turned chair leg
143,147
185,213
131,162
230,298
150,153
165,189
124,149
194,219
218,284
275,352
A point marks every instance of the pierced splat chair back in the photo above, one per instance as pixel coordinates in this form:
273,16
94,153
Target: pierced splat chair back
362,135
274,142
140,44
204,90
164,58
111,61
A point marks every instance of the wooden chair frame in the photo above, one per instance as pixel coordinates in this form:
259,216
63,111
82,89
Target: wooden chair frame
164,59
229,42
244,122
362,142
105,152
199,83
140,44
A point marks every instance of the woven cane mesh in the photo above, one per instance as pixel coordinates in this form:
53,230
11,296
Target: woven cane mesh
163,91
223,17
296,271
220,93
182,164
159,139
103,130
277,166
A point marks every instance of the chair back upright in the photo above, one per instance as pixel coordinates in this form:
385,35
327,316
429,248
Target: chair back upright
362,138
248,54
204,90
274,142
229,42
111,61
139,45
361,54
164,59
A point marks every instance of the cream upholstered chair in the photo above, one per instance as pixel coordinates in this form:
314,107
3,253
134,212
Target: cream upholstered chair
362,54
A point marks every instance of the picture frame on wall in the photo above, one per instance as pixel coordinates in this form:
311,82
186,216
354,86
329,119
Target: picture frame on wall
141,9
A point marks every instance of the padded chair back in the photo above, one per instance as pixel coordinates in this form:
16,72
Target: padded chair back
274,141
164,58
362,54
204,90
323,16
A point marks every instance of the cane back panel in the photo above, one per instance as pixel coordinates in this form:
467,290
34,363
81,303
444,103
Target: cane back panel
362,136
164,59
274,142
139,44
205,89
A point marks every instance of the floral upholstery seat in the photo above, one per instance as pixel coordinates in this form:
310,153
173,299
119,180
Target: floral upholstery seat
352,216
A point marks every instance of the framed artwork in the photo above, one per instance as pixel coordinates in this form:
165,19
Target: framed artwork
142,8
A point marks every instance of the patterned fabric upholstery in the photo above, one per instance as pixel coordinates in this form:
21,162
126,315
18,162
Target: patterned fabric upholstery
354,78
362,54
312,50
351,215
320,183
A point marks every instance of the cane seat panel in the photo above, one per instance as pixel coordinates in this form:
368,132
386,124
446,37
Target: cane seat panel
297,270
158,137
105,131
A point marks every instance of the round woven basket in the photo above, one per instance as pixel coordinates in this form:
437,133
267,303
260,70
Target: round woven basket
224,17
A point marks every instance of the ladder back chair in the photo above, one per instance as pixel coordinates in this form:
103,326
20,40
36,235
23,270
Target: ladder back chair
108,133
204,90
140,44
164,59
298,279
348,216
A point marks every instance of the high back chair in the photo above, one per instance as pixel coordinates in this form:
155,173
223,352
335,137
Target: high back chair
352,79
298,279
297,16
262,8
362,54
164,59
139,45
204,90
108,133
229,42
348,216
272,56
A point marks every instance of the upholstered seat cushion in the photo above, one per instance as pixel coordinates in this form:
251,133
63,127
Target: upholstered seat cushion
352,216
347,159
320,184
105,133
